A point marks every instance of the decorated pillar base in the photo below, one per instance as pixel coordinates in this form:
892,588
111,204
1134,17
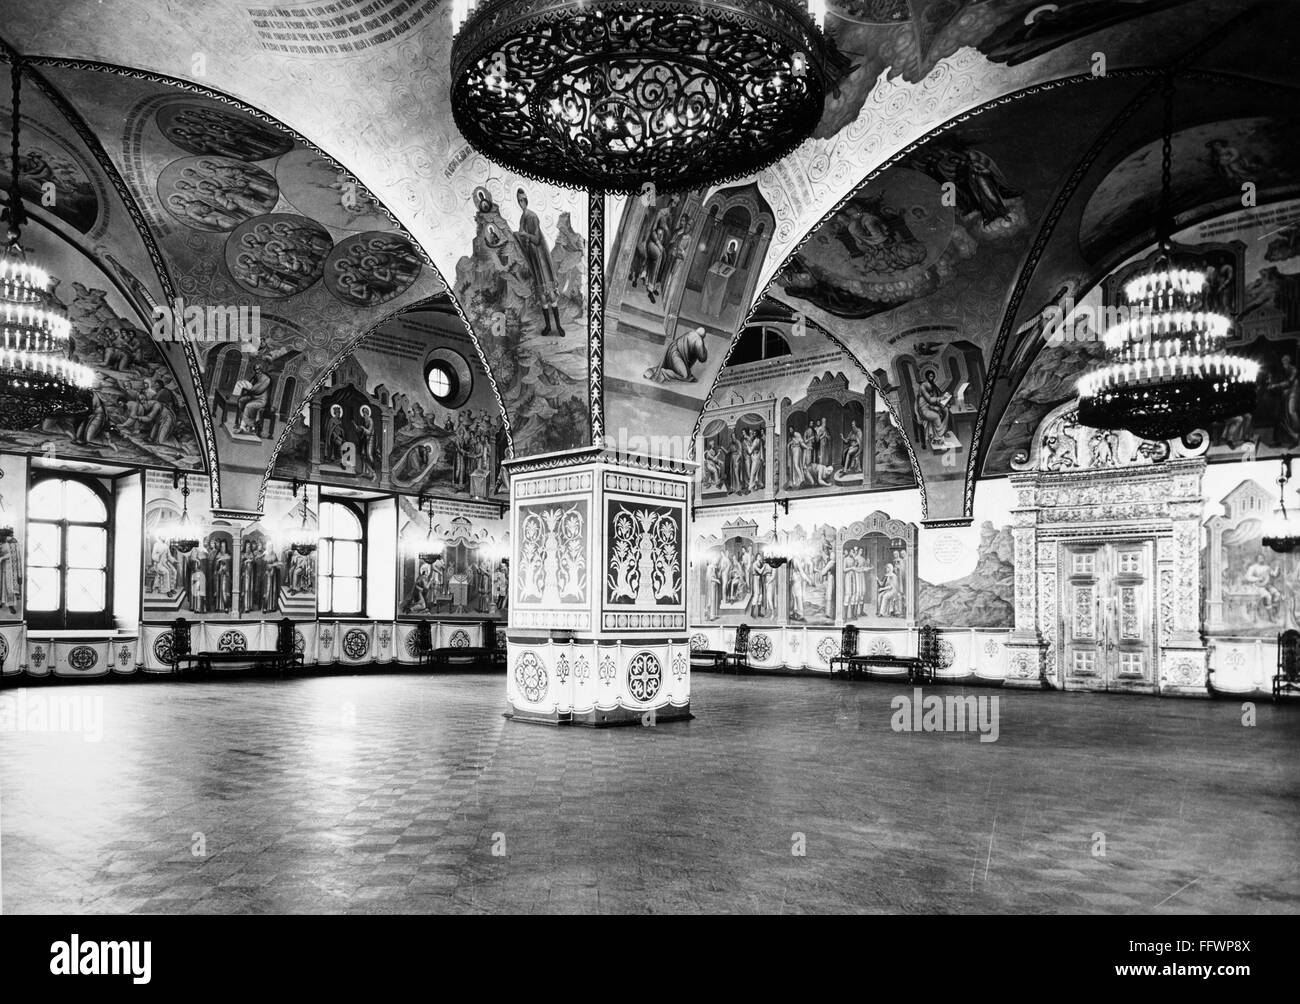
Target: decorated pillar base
598,623
1184,672
1030,664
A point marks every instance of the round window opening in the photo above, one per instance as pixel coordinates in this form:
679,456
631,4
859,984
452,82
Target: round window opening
442,381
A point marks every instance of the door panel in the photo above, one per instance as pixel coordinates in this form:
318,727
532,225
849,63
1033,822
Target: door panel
1107,613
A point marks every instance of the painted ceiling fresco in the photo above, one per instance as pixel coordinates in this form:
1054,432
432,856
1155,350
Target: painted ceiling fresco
376,424
248,213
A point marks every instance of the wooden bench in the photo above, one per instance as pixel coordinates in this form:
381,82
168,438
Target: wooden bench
284,656
489,655
920,668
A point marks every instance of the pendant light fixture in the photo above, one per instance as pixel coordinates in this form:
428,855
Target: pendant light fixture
432,547
1167,372
612,95
778,554
302,537
38,380
1282,529
184,537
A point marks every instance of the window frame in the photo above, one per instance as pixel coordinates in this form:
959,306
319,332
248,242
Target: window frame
360,512
64,619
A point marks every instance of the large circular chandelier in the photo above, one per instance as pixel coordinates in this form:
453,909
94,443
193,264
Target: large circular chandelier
614,95
38,380
1166,371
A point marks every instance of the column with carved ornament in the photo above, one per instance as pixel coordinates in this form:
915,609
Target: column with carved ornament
598,623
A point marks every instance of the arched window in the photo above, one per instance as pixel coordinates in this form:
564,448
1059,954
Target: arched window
69,544
756,343
340,584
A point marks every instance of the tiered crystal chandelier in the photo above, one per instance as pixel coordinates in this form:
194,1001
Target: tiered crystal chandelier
1282,529
37,379
1167,372
611,95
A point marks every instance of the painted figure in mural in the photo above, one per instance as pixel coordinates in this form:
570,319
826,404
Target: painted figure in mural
735,467
1259,580
501,586
798,451
658,246
215,132
1287,432
162,565
758,572
158,417
826,573
756,461
198,587
545,287
800,582
851,602
731,255
333,435
221,574
272,568
11,574
980,185
683,351
889,603
679,245
253,400
248,577
299,573
853,448
932,410
714,465
1229,163
713,583
366,444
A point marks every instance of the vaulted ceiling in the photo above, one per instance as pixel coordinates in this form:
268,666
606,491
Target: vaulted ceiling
1057,104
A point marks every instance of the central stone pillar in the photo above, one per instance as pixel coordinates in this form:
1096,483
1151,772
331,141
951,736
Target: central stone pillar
598,583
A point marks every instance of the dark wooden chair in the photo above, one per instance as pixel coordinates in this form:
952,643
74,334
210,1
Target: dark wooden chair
182,653
424,643
927,655
738,657
286,646
848,649
1287,678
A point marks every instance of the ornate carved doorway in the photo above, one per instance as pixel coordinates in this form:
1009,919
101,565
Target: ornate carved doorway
1108,623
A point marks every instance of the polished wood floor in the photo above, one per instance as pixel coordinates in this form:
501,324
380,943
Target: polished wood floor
391,794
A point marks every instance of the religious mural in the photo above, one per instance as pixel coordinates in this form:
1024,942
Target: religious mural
735,584
908,38
524,291
827,437
46,160
377,424
452,565
680,278
1250,590
736,457
877,559
138,414
1211,161
227,571
811,576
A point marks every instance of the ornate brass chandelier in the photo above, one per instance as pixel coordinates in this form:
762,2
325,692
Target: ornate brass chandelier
1167,372
1282,530
37,379
302,537
612,95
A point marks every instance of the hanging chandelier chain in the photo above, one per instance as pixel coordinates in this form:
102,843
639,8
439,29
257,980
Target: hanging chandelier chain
17,216
1166,235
